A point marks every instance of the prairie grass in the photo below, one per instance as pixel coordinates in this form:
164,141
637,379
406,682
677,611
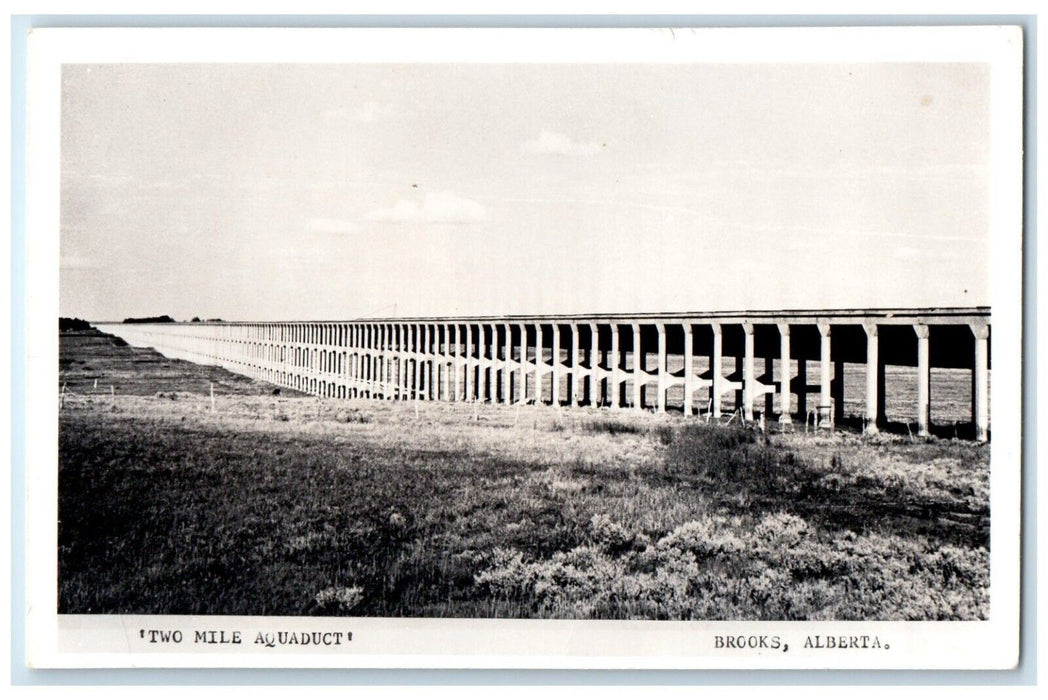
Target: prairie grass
287,505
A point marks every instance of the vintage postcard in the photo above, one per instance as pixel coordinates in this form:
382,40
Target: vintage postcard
525,348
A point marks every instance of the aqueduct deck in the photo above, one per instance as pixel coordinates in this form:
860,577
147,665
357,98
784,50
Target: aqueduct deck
606,360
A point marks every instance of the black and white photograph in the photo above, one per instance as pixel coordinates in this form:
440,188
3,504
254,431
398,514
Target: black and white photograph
526,334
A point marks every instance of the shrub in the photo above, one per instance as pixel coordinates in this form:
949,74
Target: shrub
611,426
780,531
721,568
608,535
339,599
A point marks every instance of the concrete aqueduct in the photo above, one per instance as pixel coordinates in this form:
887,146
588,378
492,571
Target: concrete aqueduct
711,361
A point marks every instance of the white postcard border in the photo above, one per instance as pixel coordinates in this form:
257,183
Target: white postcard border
110,641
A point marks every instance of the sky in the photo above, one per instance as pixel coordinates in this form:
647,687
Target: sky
292,191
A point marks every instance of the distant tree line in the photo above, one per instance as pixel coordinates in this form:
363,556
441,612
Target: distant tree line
66,325
151,319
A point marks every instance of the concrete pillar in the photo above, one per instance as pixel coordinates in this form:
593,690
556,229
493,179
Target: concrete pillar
594,365
383,378
638,366
717,368
872,364
361,370
981,381
365,360
358,370
555,400
448,362
784,374
522,374
576,365
507,365
405,362
426,363
414,357
481,376
392,352
661,396
375,387
467,352
445,354
482,372
882,413
538,364
689,370
825,399
498,366
454,337
383,364
493,363
615,390
357,359
387,368
924,383
351,361
434,364
434,361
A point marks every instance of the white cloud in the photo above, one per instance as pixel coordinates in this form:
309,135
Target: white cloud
435,208
319,225
551,143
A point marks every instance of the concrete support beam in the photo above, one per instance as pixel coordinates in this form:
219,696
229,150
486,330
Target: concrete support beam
538,364
660,399
455,367
405,360
368,361
924,381
427,384
638,368
493,363
396,362
717,369
555,400
391,363
825,400
689,370
522,373
981,377
507,365
615,390
576,365
416,382
433,351
445,359
358,360
872,380
468,352
594,365
383,372
784,374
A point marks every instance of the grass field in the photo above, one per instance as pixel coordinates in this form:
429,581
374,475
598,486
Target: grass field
286,504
